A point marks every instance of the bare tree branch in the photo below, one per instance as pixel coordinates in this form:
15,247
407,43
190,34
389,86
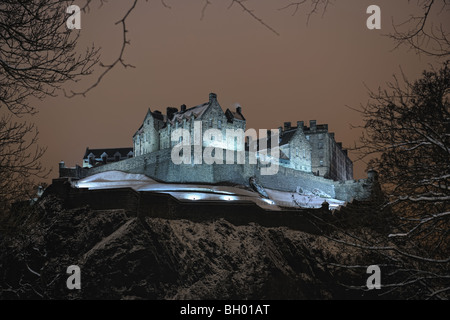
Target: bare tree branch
37,52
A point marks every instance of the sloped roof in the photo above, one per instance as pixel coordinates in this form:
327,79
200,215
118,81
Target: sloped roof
109,151
286,136
138,130
158,115
233,115
196,112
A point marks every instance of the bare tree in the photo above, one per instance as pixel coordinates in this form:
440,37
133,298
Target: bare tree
37,52
407,137
407,129
19,160
37,55
421,34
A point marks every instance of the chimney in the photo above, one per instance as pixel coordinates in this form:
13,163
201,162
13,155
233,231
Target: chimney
183,108
332,135
239,110
170,112
287,126
300,124
372,175
212,97
62,165
280,130
312,125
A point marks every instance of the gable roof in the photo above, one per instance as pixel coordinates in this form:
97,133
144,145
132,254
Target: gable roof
286,136
197,112
109,151
233,115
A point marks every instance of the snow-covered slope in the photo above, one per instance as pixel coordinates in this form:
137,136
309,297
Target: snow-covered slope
192,192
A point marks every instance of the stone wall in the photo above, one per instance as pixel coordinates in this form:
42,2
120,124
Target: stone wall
159,166
363,189
300,152
328,156
158,205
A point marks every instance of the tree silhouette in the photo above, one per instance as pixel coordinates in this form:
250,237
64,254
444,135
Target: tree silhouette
37,55
406,136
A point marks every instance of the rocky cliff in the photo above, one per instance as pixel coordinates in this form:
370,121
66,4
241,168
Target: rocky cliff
122,256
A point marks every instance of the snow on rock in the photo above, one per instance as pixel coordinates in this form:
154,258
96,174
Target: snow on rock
320,193
183,192
308,200
192,192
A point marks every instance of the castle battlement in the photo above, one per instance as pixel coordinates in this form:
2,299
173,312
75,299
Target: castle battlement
310,158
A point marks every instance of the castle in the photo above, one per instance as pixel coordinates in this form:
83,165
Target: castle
309,149
309,156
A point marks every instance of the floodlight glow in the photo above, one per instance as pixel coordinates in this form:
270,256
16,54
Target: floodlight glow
193,197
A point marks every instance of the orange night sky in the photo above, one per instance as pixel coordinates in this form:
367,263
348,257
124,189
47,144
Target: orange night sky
307,72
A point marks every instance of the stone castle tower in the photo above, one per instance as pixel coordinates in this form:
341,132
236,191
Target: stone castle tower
155,132
308,149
